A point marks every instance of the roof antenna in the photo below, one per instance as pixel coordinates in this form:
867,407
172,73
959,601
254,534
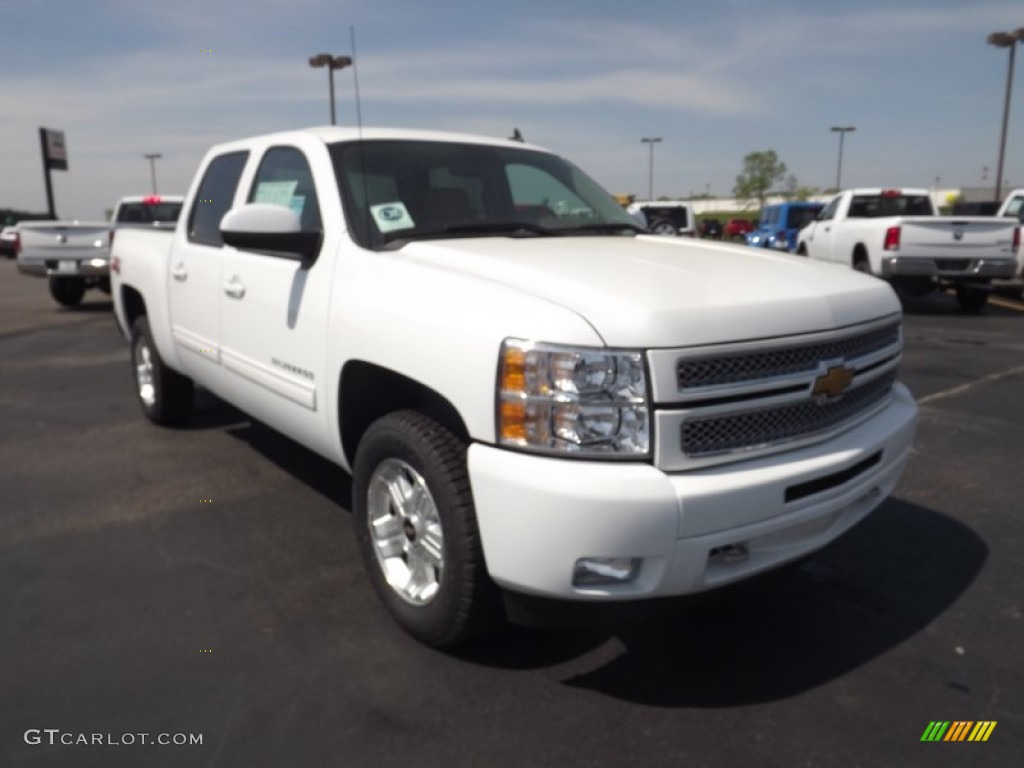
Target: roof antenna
516,136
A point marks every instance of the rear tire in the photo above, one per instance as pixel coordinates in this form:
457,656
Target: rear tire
862,265
802,250
971,298
68,291
415,523
662,227
164,395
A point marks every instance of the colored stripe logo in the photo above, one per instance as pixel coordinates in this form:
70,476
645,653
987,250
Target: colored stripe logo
958,730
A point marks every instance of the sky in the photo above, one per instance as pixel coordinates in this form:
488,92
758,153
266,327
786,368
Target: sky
585,78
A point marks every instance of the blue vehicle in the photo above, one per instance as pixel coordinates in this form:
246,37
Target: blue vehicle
780,223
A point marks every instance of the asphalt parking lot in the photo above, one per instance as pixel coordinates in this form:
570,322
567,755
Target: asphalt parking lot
205,581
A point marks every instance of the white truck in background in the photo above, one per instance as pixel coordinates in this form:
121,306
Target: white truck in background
539,403
895,234
1013,208
75,255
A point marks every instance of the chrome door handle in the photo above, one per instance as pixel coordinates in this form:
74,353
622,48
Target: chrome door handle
179,273
234,288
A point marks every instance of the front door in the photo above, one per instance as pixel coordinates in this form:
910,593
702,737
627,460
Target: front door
274,311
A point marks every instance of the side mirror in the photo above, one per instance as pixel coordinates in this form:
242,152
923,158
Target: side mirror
1020,215
274,228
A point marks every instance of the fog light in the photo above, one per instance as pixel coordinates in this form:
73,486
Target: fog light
730,553
605,570
97,262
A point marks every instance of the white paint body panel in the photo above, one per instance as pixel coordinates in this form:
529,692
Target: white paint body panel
437,313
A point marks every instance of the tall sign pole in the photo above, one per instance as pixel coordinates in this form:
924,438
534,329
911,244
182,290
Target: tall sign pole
55,156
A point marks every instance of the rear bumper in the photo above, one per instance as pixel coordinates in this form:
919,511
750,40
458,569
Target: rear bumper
94,267
538,516
952,268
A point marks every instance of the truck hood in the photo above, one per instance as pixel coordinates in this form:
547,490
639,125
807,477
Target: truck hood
649,291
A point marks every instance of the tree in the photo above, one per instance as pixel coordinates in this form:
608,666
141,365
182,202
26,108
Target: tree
760,171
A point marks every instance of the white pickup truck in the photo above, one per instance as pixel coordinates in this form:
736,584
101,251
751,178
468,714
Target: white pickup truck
537,401
75,255
895,234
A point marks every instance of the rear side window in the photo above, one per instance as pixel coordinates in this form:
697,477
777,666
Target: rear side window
214,197
284,178
798,218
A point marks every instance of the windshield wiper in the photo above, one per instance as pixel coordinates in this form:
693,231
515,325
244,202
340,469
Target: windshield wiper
604,227
500,228
505,228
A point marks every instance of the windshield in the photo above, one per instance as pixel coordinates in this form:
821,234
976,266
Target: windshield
396,191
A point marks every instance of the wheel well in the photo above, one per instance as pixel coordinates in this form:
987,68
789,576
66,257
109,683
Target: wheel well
860,253
367,392
802,249
133,303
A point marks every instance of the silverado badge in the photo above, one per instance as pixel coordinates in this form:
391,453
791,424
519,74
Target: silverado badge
833,382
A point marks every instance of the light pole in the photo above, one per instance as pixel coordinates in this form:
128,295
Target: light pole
153,157
650,165
1005,40
842,130
332,63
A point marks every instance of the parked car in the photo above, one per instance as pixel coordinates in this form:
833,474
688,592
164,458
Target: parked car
667,217
9,242
896,235
561,408
780,223
74,255
737,229
711,228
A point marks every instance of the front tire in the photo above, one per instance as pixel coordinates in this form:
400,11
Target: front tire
416,527
164,395
68,291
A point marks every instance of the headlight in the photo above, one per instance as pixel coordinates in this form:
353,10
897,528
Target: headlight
578,400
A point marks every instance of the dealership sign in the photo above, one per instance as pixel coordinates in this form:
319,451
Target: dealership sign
55,151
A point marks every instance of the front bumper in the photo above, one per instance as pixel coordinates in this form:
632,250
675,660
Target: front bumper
537,515
903,266
94,267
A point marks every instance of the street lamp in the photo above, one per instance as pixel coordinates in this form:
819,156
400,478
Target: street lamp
650,165
332,63
153,157
1005,40
842,130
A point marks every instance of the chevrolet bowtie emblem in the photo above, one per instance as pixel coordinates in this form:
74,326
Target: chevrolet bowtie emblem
834,381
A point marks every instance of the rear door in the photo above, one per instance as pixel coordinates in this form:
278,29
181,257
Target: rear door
194,282
275,308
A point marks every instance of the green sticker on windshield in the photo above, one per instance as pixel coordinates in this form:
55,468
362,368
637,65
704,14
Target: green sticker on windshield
391,216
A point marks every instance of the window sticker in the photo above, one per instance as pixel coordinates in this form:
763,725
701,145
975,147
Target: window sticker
391,216
297,203
275,192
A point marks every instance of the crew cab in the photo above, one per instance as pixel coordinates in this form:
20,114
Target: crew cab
539,402
75,255
895,234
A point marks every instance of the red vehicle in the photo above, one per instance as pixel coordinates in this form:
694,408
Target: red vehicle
735,229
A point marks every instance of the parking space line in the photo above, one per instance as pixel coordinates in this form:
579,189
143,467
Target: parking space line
1006,303
960,389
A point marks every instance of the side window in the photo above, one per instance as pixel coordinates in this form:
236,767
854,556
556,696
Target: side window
533,188
830,210
284,179
214,197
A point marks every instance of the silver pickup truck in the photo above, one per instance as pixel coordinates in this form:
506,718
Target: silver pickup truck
75,255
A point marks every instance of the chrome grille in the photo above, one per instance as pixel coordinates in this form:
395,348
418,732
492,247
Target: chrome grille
749,366
708,436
